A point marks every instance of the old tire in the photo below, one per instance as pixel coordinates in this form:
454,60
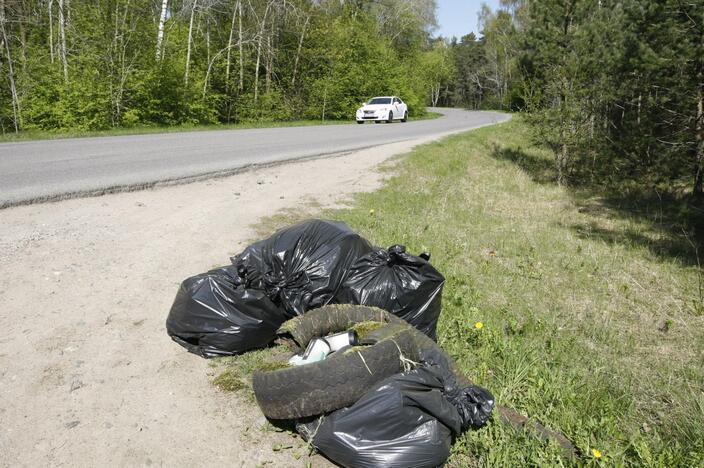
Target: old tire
339,381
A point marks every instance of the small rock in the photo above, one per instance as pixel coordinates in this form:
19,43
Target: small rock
665,325
75,385
140,204
237,194
260,182
71,424
281,197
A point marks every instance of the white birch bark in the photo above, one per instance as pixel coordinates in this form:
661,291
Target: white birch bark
51,30
190,40
16,111
259,52
160,32
298,52
62,39
229,46
239,16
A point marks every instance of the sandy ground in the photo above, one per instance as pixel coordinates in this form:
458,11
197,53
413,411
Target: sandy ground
88,375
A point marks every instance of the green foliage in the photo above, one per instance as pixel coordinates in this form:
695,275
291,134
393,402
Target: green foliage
300,59
614,89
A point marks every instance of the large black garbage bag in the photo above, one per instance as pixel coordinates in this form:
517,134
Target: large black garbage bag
214,315
403,284
404,421
302,266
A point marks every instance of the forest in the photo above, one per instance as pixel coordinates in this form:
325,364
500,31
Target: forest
115,63
614,88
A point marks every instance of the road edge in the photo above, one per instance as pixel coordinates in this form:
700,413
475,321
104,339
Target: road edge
183,180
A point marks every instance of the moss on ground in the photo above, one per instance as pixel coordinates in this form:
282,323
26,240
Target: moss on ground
272,366
363,329
229,381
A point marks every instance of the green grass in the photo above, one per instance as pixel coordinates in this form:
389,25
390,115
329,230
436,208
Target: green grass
142,130
592,309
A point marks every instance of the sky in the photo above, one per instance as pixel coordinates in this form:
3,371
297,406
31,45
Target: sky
459,17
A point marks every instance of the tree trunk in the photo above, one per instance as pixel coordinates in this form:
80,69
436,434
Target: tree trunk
16,111
229,47
207,38
298,52
562,156
269,63
51,30
62,39
23,38
259,52
699,137
190,40
160,33
120,48
325,101
239,20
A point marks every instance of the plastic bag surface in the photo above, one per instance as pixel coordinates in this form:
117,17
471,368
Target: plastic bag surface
302,267
403,422
214,315
403,284
473,403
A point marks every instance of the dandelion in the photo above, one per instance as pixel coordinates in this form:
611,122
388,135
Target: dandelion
479,325
371,211
492,253
596,453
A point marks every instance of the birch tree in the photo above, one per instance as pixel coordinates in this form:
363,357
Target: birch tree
62,37
194,5
160,30
16,111
50,7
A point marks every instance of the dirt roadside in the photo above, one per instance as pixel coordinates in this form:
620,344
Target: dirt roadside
88,376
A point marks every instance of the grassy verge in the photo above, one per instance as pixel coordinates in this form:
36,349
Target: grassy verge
59,134
600,337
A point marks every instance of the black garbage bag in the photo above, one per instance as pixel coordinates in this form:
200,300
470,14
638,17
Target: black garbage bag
302,266
404,421
473,403
403,284
214,315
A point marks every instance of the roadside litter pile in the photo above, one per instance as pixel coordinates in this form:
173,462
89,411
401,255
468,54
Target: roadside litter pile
363,377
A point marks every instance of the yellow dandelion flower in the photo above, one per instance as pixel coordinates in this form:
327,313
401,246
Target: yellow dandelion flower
479,325
596,453
371,212
492,253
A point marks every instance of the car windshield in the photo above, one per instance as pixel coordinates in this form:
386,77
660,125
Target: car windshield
380,100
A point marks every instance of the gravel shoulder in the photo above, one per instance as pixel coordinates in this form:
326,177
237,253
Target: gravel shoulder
89,376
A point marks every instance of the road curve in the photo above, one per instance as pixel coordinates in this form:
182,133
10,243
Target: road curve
34,171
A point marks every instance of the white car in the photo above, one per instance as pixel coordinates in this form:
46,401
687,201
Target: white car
386,108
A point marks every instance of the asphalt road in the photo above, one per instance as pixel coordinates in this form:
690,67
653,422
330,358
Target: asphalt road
41,170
